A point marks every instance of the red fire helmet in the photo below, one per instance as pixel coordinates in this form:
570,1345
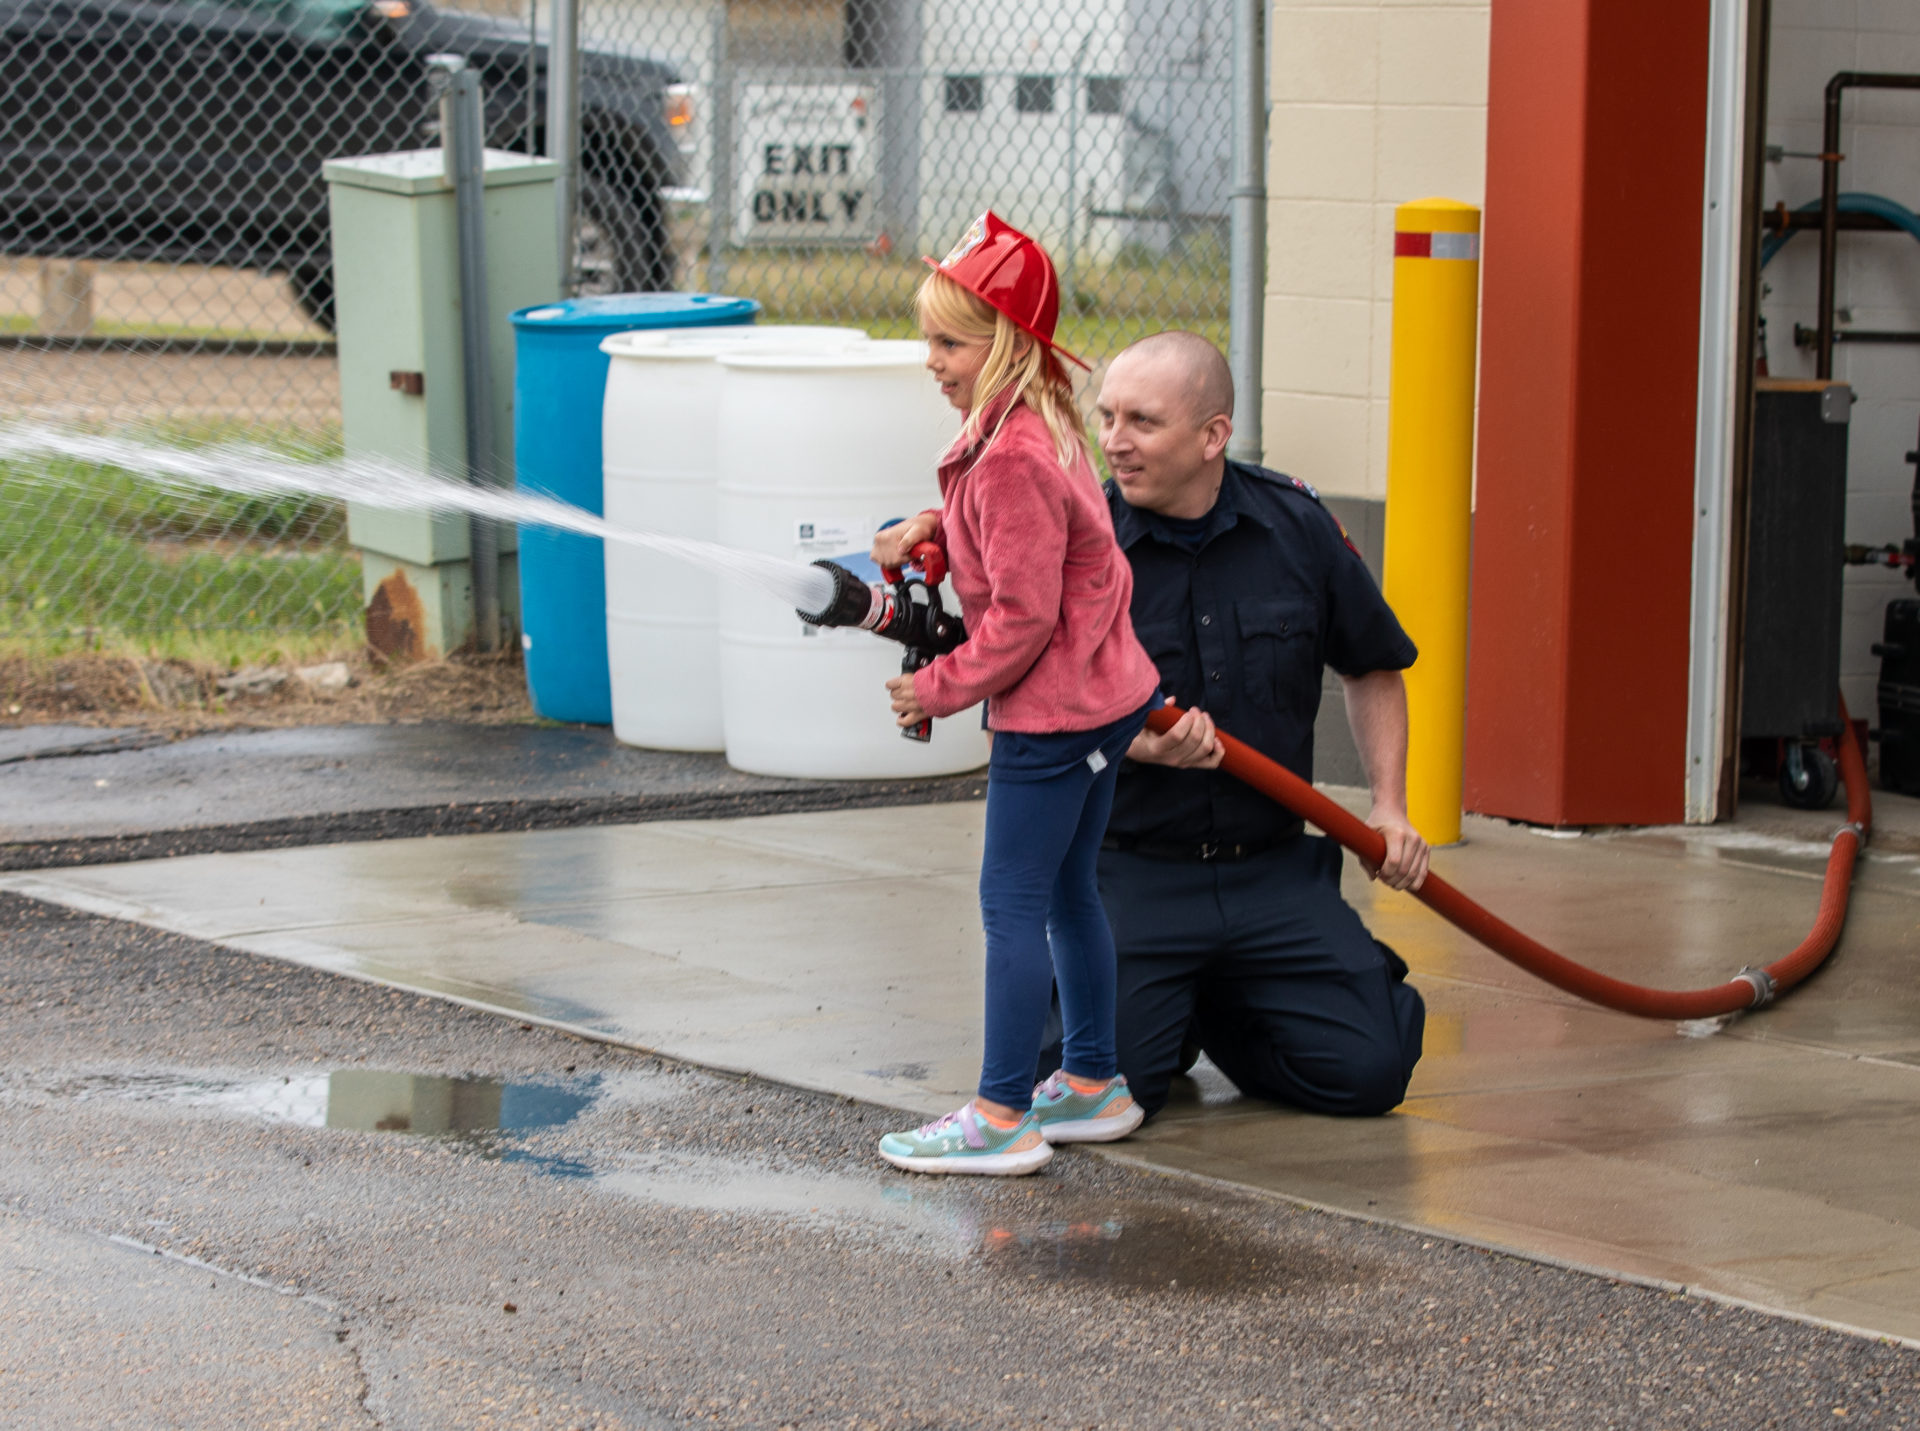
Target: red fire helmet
1009,272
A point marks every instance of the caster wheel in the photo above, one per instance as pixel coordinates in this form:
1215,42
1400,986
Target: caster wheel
1809,779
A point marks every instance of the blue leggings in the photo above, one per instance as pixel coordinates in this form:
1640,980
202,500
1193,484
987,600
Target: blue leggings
1040,904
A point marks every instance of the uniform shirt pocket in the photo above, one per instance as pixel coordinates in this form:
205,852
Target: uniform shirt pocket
1277,653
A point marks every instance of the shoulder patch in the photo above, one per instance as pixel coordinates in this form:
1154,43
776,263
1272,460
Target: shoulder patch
1307,490
1345,538
1281,480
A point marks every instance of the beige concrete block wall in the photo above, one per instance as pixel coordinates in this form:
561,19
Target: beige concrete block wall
1374,102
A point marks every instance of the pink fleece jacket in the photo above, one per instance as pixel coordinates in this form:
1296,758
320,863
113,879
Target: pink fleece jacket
1042,583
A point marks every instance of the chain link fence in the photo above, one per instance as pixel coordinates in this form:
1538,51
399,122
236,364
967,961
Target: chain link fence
163,226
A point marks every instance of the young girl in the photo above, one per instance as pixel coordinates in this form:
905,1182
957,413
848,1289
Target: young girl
1045,587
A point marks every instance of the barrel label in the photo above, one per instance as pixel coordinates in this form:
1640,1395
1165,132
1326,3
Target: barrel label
817,537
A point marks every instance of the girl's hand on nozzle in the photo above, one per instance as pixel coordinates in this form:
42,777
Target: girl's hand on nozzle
891,545
1190,743
906,703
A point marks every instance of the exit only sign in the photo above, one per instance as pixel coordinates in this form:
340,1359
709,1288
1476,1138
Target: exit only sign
806,164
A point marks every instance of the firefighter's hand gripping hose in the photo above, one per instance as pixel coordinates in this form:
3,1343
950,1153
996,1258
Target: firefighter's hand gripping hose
927,631
1749,989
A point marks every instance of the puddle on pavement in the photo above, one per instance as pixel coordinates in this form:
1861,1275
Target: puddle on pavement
1126,1244
1145,1247
1137,1245
360,1099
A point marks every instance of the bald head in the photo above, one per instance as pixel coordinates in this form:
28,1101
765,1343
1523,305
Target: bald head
1166,414
1191,368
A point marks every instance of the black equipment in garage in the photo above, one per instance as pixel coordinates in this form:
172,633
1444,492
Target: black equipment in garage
1899,653
1796,539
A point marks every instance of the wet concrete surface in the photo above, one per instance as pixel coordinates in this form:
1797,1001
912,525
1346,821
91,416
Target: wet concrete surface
840,951
197,1214
72,796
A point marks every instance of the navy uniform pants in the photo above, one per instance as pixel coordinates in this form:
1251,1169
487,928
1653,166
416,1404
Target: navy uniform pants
1271,970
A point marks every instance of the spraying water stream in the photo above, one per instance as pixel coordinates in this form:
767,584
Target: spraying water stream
253,471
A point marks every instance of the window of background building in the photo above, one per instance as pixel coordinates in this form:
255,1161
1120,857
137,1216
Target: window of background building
1033,94
1106,94
966,94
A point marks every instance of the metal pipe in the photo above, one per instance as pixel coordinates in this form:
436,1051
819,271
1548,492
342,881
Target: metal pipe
1247,244
463,133
1780,219
1805,337
563,128
1830,157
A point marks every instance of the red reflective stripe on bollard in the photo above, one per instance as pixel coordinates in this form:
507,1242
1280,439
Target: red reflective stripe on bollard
1444,245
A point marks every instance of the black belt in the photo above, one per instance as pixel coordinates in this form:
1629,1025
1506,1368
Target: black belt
1214,851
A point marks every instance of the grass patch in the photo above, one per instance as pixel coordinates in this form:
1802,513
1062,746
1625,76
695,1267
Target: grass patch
92,556
1111,304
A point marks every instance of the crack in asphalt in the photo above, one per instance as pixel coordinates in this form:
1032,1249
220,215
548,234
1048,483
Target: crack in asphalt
115,746
484,817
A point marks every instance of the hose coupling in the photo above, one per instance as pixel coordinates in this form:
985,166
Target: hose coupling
1856,829
1762,983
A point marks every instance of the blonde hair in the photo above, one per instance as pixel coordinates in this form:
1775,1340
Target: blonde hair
1035,376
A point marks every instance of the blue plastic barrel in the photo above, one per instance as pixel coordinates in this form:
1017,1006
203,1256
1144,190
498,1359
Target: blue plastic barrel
559,380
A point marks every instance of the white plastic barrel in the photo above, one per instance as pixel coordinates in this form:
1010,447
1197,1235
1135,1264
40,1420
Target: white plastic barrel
660,425
816,451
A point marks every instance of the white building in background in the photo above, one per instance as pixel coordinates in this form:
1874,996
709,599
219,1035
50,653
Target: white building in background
1093,123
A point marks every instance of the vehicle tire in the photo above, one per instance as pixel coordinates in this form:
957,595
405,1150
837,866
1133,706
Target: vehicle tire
621,245
1815,783
312,285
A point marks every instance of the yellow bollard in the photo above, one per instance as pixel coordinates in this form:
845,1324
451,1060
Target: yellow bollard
1436,292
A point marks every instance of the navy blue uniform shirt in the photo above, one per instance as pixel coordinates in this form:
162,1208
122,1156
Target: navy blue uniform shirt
1241,628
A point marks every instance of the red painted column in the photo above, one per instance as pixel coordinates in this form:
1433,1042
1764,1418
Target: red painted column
1583,520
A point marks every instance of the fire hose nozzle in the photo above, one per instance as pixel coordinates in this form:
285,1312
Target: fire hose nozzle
855,602
924,626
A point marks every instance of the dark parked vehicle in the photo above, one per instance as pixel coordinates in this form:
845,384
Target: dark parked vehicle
193,131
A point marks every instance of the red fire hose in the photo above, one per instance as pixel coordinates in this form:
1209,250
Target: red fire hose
1749,989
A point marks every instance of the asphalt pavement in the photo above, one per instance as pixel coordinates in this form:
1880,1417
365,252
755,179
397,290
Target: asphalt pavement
72,795
239,1193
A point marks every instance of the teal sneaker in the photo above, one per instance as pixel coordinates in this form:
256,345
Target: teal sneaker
1106,1114
964,1142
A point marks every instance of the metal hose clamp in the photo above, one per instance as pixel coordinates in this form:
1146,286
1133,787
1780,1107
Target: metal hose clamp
1762,983
1859,832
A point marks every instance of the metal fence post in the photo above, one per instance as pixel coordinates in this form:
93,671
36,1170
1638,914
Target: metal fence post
901,105
1248,219
563,128
1070,259
720,180
463,133
532,145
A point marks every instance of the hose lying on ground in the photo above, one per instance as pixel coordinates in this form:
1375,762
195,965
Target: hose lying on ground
1749,989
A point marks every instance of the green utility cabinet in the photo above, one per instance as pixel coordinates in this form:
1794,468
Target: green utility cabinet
396,273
